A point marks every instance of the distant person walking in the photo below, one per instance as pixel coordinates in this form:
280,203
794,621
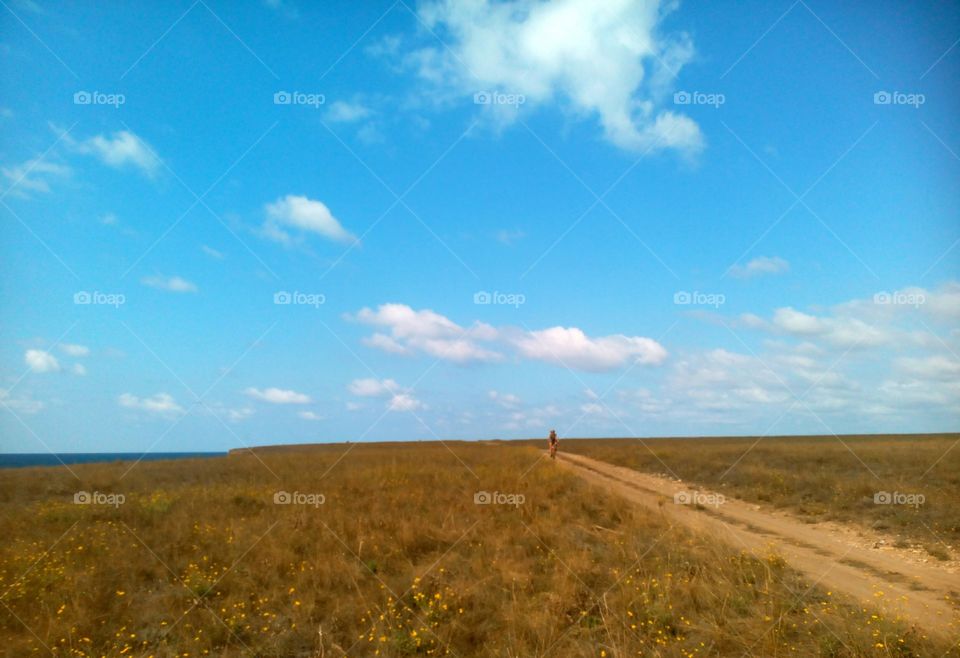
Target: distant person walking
554,442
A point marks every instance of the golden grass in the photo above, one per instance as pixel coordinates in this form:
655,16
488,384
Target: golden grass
819,478
397,561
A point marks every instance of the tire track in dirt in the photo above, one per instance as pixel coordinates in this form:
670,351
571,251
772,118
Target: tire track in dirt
921,594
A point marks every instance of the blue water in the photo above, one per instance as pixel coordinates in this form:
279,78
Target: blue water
17,460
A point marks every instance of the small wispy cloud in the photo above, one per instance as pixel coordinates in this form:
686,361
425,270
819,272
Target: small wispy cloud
160,403
278,396
509,237
760,266
169,283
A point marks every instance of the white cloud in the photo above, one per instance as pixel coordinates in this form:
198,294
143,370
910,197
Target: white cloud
593,409
904,376
370,134
532,418
34,175
404,402
78,369
160,403
759,266
41,361
287,9
428,332
211,252
795,322
121,149
309,415
752,321
169,283
722,381
278,396
505,400
938,366
385,343
899,371
371,388
346,112
237,415
24,405
943,304
571,347
610,60
509,237
303,214
72,349
840,331
398,398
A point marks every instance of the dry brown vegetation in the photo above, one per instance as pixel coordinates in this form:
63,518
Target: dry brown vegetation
397,561
819,478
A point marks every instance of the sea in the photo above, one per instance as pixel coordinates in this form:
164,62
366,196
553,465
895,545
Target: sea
22,459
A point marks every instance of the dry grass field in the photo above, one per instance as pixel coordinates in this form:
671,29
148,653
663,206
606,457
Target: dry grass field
383,550
818,478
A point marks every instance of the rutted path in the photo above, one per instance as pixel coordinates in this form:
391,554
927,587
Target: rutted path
922,594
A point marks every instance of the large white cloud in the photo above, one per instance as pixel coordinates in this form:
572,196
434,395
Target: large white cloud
425,331
41,361
905,360
428,332
607,60
571,347
305,215
886,318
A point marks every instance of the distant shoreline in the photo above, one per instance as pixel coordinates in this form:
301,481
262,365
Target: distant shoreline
28,459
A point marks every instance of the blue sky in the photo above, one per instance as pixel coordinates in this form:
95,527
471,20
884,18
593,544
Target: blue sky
487,219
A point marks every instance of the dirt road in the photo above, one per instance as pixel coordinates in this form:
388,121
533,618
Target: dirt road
922,594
